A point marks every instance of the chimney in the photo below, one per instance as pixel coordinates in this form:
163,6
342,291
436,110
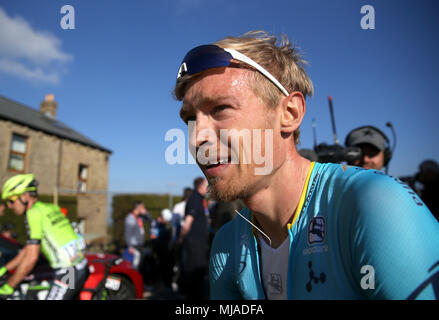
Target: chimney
49,106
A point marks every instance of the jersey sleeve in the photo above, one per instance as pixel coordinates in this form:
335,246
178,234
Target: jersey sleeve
34,226
221,275
394,240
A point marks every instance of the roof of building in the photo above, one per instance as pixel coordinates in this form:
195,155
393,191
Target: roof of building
24,115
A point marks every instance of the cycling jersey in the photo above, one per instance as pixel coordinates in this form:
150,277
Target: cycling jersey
47,226
356,234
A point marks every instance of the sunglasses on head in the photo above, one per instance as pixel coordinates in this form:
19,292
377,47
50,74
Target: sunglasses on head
211,56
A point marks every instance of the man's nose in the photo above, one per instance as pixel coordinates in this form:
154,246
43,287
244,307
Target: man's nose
203,131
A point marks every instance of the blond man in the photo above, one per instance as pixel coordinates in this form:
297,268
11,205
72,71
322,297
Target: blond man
310,230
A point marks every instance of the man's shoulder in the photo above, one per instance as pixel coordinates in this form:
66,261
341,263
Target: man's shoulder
233,236
238,224
194,204
194,198
130,218
353,187
224,238
342,177
368,191
179,207
373,182
41,207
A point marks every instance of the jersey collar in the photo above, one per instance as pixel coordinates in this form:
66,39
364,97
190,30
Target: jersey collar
299,206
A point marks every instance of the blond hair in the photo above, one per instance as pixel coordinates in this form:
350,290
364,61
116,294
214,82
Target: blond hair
282,60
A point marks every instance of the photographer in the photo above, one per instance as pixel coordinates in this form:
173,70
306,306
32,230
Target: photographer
374,146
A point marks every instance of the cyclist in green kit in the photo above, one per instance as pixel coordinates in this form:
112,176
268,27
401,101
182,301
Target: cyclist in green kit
50,231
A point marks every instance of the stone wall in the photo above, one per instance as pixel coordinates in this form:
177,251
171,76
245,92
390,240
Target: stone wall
54,160
74,154
42,155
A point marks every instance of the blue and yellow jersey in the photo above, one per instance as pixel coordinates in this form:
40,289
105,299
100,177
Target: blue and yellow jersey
356,234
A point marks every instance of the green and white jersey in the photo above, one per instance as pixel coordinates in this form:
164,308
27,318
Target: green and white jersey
47,226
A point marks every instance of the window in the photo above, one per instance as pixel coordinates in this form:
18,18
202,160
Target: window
17,155
82,178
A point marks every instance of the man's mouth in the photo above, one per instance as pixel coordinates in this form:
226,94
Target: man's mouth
217,168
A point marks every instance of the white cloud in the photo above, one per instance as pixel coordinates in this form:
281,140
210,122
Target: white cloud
27,53
21,70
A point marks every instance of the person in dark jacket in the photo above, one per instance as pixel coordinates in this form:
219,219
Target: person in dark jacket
194,239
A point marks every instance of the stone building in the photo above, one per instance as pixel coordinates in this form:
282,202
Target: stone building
64,161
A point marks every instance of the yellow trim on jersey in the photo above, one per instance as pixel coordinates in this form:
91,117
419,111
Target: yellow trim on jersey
301,201
302,196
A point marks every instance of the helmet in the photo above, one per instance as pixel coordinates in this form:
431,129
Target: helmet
19,184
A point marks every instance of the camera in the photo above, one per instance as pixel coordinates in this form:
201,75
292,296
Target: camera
336,153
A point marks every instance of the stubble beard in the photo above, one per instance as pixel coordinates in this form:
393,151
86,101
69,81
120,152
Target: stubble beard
235,188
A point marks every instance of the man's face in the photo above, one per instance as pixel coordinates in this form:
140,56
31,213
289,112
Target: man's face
373,158
203,188
221,100
140,209
16,205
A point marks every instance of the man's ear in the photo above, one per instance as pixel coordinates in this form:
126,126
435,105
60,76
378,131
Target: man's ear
292,113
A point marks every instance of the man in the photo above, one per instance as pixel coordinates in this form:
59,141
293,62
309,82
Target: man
194,239
374,146
135,233
310,230
49,231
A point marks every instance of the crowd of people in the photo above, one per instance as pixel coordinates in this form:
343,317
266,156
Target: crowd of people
175,258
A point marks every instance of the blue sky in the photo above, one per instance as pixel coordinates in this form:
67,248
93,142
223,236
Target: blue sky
113,74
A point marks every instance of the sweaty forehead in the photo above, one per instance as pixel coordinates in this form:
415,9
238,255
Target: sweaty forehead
216,84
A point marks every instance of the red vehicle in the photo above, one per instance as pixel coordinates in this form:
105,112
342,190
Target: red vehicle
121,280
111,277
